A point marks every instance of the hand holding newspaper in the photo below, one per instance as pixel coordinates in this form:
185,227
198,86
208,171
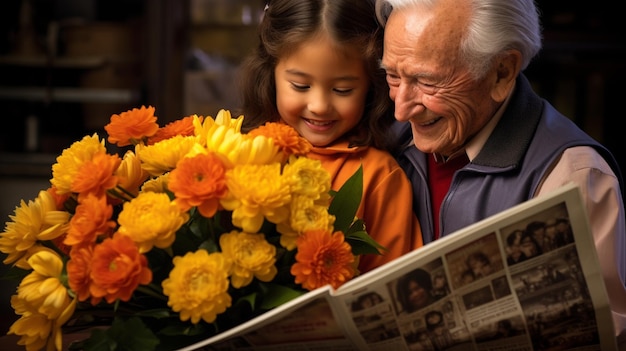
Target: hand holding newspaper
491,286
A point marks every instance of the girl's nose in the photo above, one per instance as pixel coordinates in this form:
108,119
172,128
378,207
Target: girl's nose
319,103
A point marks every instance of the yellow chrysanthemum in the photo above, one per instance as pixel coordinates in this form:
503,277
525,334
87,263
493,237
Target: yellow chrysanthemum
71,160
222,136
224,118
251,256
256,192
224,142
307,177
203,129
43,287
36,221
57,333
258,150
37,331
307,215
151,219
162,157
304,215
34,330
130,174
156,185
197,286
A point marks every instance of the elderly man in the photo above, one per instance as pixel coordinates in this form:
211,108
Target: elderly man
482,140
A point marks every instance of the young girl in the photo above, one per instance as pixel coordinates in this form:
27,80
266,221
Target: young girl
317,69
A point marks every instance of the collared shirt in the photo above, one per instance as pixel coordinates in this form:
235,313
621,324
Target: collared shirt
478,141
474,146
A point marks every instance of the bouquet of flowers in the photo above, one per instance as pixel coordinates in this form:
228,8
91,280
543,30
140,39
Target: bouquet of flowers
183,232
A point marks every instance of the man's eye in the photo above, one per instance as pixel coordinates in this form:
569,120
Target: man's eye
427,88
393,79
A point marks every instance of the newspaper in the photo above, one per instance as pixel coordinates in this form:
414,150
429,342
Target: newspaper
552,297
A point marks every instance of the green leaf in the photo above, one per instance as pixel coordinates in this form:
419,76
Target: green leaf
362,244
98,341
209,245
157,313
132,334
128,335
178,328
197,226
347,200
250,299
357,226
275,295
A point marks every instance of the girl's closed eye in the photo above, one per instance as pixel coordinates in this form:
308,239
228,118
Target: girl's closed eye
343,91
299,87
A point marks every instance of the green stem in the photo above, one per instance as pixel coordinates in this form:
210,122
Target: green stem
152,291
123,190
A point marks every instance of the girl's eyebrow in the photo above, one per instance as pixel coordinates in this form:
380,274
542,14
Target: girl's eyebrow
303,74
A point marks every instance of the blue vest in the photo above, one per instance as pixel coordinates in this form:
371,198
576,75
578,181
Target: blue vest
528,139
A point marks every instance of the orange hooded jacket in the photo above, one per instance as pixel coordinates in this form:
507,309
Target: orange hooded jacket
387,202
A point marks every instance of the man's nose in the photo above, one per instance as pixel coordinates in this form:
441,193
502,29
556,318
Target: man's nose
407,101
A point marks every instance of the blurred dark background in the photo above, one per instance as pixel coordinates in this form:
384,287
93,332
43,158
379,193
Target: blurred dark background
582,67
67,65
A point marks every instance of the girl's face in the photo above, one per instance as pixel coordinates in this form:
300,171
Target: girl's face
418,296
321,89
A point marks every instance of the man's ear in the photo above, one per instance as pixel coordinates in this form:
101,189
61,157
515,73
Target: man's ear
507,68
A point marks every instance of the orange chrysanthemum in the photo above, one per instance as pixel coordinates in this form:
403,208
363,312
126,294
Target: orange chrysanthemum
132,126
285,137
96,176
92,219
117,269
79,271
199,181
323,258
182,127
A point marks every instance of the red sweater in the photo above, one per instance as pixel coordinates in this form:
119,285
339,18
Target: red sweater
439,179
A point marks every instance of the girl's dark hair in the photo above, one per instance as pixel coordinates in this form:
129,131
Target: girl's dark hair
419,276
288,23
